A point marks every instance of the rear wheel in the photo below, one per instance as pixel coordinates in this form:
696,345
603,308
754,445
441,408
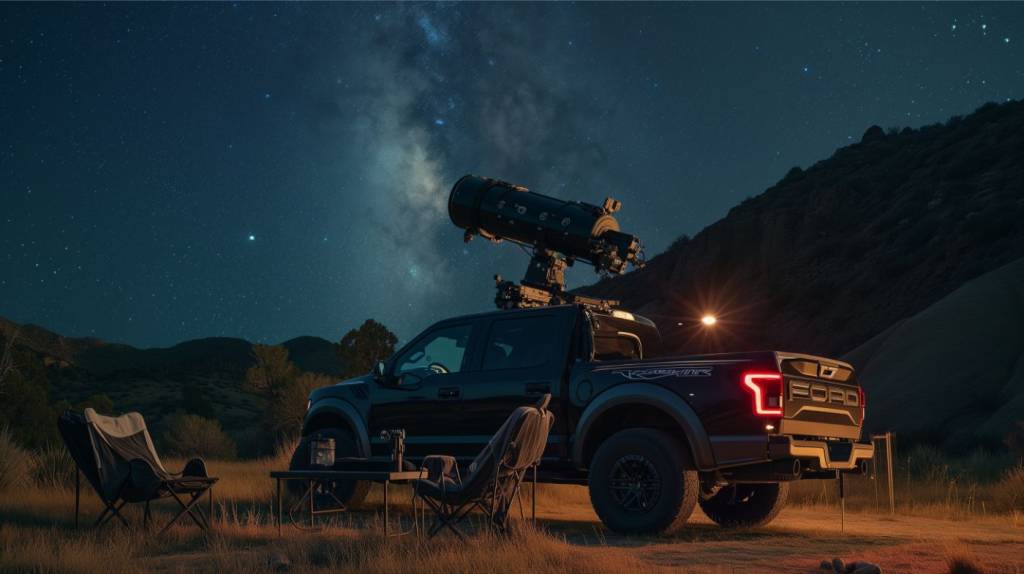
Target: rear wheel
349,493
739,505
639,483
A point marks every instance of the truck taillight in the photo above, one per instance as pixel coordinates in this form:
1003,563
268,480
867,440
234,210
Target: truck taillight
862,398
767,390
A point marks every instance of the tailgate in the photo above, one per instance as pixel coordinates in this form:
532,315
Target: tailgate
821,397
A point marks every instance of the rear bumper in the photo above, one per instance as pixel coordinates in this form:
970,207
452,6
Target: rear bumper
821,455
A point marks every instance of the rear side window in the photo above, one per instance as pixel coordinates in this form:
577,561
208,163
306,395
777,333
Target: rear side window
519,343
620,346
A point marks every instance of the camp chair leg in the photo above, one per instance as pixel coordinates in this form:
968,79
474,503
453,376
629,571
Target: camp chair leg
446,517
196,515
78,494
533,491
109,513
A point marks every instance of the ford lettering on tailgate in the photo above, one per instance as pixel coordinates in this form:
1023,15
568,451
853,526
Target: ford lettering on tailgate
823,393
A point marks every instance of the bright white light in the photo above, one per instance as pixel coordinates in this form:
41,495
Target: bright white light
709,320
252,238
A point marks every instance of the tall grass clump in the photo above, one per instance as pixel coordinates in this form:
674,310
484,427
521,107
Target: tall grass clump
1009,492
15,463
53,468
368,552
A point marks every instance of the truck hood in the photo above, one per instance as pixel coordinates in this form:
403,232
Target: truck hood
356,388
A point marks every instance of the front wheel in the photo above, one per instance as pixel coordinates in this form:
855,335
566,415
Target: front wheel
639,483
349,493
745,505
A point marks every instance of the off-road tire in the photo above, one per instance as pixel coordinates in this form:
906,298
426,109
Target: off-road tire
746,505
642,456
351,493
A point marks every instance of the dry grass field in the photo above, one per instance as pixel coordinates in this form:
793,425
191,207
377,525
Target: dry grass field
939,528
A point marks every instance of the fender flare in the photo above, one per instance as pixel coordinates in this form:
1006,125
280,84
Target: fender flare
648,395
347,412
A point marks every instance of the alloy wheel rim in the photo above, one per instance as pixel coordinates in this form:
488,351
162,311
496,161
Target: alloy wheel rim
635,484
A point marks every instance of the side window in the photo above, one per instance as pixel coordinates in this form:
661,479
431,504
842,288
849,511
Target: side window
617,347
442,350
519,343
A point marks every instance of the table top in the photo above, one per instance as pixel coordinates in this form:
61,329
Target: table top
389,475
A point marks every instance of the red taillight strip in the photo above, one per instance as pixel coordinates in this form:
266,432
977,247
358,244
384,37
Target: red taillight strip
760,407
863,400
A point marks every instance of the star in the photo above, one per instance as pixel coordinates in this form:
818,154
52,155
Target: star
252,238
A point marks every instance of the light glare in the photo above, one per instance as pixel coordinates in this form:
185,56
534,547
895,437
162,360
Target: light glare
708,320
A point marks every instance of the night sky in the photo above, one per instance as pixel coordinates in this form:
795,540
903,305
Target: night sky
266,171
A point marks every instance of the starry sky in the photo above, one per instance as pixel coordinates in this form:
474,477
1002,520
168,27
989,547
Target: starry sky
174,171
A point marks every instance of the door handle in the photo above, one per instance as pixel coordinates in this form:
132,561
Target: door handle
448,392
538,388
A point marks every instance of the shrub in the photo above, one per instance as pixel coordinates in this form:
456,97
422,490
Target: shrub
190,435
926,462
15,463
361,348
288,409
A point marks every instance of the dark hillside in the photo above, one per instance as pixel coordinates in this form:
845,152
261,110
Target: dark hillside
225,355
831,256
161,381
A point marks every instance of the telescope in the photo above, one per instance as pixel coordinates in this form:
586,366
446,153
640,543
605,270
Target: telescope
558,233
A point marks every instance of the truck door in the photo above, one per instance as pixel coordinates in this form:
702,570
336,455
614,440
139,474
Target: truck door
523,356
431,373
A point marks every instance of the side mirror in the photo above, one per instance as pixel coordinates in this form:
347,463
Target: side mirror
379,369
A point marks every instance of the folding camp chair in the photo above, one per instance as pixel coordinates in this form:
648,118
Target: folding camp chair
117,457
495,476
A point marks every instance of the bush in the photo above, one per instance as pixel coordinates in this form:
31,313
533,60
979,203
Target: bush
192,435
288,409
15,463
361,348
926,462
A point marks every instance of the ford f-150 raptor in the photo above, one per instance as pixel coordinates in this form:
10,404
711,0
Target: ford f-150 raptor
651,436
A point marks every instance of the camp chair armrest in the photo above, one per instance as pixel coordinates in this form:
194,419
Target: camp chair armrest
194,468
440,466
190,480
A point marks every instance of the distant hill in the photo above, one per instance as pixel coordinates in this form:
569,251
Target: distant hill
213,354
157,382
953,373
833,255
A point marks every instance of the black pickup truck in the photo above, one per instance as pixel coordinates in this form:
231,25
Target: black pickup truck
651,435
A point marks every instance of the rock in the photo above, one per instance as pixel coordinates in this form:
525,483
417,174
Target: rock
278,561
838,565
826,565
874,133
866,568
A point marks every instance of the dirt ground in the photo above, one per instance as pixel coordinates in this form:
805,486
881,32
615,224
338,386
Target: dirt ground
802,537
37,535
